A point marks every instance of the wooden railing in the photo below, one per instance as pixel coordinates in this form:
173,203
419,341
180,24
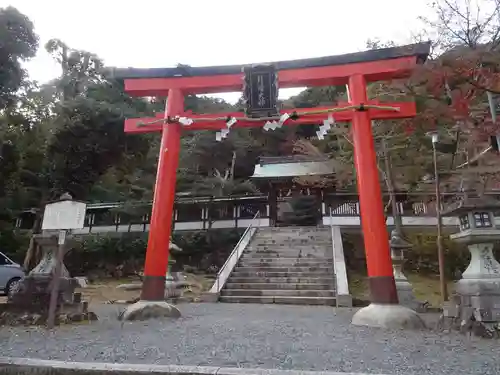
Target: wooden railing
201,213
350,207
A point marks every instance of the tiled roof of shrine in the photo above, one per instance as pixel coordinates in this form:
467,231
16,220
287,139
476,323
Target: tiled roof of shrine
292,166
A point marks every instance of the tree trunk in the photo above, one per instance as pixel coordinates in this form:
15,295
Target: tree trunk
389,180
31,253
233,163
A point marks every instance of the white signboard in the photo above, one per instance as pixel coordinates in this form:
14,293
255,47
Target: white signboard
64,215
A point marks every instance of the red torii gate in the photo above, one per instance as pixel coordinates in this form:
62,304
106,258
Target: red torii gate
354,70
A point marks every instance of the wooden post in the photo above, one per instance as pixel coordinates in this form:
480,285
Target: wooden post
56,280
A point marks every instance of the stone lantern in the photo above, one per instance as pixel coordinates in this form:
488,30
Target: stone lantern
478,292
398,247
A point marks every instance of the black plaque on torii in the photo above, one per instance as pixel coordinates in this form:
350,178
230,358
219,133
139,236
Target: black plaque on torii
260,91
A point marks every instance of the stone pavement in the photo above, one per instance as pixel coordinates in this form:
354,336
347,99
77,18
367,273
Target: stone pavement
257,336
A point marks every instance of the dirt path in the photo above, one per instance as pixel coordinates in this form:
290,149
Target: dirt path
106,290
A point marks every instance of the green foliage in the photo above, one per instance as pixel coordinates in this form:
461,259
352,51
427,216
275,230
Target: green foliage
89,143
112,256
205,251
18,42
108,255
422,258
13,244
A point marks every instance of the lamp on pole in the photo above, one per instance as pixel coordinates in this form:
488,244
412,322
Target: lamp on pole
442,280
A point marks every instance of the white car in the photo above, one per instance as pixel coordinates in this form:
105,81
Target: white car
10,274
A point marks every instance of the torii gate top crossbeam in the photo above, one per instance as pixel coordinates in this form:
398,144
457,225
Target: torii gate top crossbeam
374,65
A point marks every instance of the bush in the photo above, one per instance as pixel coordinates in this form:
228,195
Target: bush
14,244
422,258
112,256
108,255
205,251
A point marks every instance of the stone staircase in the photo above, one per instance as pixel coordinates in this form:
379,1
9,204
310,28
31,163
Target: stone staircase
285,265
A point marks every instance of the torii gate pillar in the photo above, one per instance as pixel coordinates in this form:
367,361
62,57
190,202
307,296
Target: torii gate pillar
152,302
384,310
378,257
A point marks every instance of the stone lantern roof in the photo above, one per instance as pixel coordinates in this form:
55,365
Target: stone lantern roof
397,242
468,204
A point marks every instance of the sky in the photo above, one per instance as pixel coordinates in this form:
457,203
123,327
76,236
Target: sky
163,33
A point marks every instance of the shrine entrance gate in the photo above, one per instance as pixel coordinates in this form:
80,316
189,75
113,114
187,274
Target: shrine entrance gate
260,86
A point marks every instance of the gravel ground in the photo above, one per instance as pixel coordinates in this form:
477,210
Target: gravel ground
263,336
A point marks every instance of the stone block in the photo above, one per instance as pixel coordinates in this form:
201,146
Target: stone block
83,282
328,301
487,315
478,287
451,310
466,313
388,316
344,300
144,310
406,296
465,300
209,297
485,302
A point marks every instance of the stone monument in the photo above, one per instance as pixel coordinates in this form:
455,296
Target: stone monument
476,305
32,295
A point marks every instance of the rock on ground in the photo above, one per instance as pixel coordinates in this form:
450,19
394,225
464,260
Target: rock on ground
263,336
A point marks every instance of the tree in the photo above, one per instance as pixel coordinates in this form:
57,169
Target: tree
18,43
86,137
452,87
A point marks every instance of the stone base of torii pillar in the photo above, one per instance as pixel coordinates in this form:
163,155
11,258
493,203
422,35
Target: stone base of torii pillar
389,316
147,309
393,316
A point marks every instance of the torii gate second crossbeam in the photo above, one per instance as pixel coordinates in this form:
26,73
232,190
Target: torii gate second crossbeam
354,70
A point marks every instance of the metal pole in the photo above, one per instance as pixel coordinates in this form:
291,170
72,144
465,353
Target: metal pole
56,280
334,262
442,279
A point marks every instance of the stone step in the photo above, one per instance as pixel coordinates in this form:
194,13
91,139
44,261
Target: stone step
294,234
265,274
289,255
270,268
297,232
288,251
279,286
284,262
279,278
291,240
279,292
288,300
294,230
312,248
